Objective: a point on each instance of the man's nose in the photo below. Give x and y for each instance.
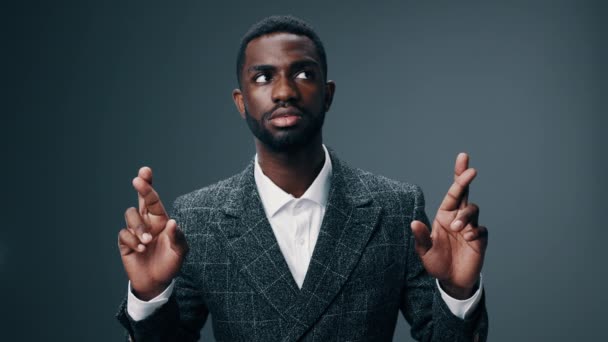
(284, 90)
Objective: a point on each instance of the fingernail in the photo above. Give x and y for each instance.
(146, 237)
(141, 247)
(456, 225)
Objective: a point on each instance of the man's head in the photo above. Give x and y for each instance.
(285, 24)
(283, 94)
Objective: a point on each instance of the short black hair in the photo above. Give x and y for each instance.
(280, 23)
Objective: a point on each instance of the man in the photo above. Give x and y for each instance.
(300, 246)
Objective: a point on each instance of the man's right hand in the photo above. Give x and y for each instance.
(152, 247)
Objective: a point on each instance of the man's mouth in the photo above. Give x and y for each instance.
(285, 117)
(285, 120)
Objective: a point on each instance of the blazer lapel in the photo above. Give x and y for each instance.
(350, 218)
(250, 239)
(349, 221)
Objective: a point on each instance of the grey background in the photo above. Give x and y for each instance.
(96, 89)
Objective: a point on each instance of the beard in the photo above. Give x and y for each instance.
(289, 139)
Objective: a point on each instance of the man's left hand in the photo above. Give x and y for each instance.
(453, 252)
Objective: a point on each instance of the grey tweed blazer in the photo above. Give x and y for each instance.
(363, 270)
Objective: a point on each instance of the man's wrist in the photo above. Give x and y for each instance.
(465, 307)
(139, 309)
(459, 293)
(149, 293)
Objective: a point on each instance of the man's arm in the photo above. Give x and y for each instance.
(422, 305)
(155, 253)
(180, 319)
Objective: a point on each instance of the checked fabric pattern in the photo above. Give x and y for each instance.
(363, 271)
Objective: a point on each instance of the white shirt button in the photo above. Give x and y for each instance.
(301, 241)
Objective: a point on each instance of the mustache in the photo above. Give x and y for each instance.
(291, 108)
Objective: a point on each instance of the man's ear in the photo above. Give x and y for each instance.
(237, 97)
(330, 89)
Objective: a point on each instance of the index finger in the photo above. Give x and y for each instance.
(150, 198)
(144, 173)
(462, 163)
(457, 192)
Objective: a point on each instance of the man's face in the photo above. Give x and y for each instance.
(283, 94)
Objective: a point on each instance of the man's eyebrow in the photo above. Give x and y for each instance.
(304, 63)
(294, 66)
(261, 67)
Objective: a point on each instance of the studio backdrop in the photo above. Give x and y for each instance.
(99, 88)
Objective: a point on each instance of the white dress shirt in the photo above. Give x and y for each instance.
(296, 223)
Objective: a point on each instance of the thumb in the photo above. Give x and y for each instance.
(176, 237)
(422, 236)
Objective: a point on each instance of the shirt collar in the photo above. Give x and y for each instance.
(274, 198)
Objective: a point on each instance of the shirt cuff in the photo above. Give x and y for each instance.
(139, 309)
(462, 308)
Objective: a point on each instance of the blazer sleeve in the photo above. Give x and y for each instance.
(429, 317)
(181, 318)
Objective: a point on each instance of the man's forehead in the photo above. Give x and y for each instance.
(276, 46)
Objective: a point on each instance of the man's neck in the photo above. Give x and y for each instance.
(292, 171)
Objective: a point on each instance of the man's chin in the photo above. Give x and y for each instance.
(287, 140)
(287, 145)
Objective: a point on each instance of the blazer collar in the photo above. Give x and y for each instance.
(274, 198)
(349, 221)
(341, 174)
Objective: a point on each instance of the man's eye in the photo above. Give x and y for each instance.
(304, 75)
(262, 78)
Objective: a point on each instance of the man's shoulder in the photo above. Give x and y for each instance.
(376, 184)
(208, 197)
(394, 196)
